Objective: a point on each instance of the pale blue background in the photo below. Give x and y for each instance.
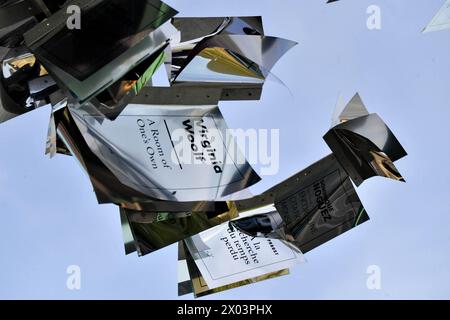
(50, 218)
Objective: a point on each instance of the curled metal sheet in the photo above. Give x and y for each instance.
(8, 108)
(195, 30)
(17, 59)
(366, 147)
(441, 20)
(246, 58)
(218, 65)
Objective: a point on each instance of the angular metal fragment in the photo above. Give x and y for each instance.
(366, 147)
(354, 109)
(441, 20)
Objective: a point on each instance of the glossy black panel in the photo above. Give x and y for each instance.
(108, 29)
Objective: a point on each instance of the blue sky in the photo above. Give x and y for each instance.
(50, 217)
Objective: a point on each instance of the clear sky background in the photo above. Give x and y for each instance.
(50, 218)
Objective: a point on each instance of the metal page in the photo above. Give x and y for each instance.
(366, 147)
(85, 70)
(18, 59)
(260, 52)
(190, 279)
(152, 234)
(441, 20)
(227, 256)
(110, 28)
(194, 30)
(315, 205)
(107, 187)
(168, 152)
(354, 109)
(321, 206)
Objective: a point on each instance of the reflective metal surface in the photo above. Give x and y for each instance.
(354, 109)
(241, 56)
(190, 280)
(441, 20)
(164, 155)
(127, 234)
(195, 31)
(168, 152)
(153, 231)
(227, 256)
(366, 147)
(110, 28)
(100, 53)
(259, 225)
(321, 206)
(316, 205)
(107, 187)
(14, 90)
(12, 36)
(12, 12)
(116, 97)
